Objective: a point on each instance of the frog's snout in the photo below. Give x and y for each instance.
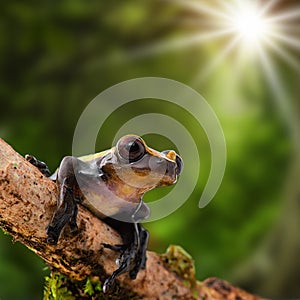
(170, 154)
(179, 164)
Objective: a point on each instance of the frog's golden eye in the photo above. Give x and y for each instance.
(131, 148)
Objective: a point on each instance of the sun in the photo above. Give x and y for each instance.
(249, 23)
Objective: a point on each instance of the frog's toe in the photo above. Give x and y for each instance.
(117, 248)
(39, 164)
(74, 228)
(138, 264)
(108, 283)
(52, 236)
(133, 273)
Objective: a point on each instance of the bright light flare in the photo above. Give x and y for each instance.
(244, 28)
(249, 23)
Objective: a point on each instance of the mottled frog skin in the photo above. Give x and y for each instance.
(111, 185)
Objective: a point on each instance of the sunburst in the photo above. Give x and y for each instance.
(260, 29)
(251, 27)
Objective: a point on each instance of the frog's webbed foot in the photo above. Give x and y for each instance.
(132, 255)
(39, 164)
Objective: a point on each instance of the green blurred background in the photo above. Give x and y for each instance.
(56, 56)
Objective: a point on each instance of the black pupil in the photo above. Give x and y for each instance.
(135, 150)
(133, 147)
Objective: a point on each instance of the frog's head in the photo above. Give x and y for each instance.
(133, 164)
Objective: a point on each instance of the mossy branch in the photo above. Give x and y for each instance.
(27, 201)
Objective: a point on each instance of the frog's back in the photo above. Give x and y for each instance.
(85, 158)
(91, 157)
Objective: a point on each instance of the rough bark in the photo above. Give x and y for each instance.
(27, 201)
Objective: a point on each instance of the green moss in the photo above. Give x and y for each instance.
(180, 262)
(5, 232)
(60, 287)
(89, 287)
(92, 287)
(56, 288)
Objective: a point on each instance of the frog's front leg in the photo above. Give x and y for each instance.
(67, 204)
(66, 211)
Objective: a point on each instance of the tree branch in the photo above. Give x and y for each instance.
(27, 201)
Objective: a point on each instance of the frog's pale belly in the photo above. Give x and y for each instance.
(114, 206)
(103, 202)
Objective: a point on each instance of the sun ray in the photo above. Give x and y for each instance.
(285, 55)
(288, 15)
(286, 28)
(227, 6)
(201, 8)
(210, 67)
(268, 6)
(178, 43)
(280, 96)
(272, 78)
(286, 39)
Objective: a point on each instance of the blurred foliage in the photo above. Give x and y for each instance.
(56, 56)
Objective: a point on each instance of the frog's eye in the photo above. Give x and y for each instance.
(131, 148)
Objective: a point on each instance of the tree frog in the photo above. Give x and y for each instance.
(111, 185)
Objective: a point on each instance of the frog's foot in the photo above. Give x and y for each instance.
(132, 257)
(124, 263)
(61, 218)
(66, 213)
(39, 164)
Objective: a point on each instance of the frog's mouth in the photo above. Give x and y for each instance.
(160, 168)
(171, 169)
(179, 164)
(171, 173)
